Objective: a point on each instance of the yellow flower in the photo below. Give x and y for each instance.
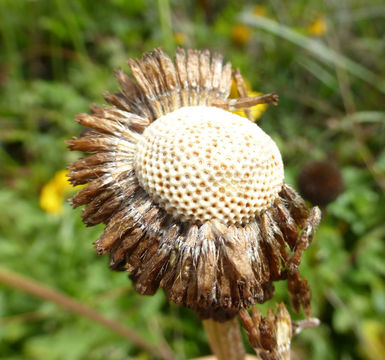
(259, 10)
(318, 27)
(54, 191)
(373, 334)
(180, 38)
(240, 34)
(257, 110)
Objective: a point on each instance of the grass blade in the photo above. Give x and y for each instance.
(315, 47)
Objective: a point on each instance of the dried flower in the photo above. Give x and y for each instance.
(320, 182)
(192, 195)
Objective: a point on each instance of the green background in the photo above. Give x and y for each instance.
(57, 57)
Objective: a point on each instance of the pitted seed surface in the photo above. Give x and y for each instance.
(201, 163)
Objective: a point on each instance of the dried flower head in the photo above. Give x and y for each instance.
(192, 195)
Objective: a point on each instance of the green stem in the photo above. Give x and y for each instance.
(166, 25)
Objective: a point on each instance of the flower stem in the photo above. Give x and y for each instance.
(225, 339)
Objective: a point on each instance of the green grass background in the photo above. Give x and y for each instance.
(56, 57)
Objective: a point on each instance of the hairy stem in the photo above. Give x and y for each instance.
(32, 287)
(225, 339)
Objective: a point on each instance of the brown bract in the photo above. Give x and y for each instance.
(214, 268)
(271, 336)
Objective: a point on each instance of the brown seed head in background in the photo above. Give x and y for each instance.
(320, 182)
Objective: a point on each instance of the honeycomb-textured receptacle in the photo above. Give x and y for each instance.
(201, 163)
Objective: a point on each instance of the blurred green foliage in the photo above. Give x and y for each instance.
(58, 56)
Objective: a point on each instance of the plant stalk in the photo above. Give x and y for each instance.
(225, 339)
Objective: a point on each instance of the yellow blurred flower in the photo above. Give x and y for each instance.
(318, 27)
(259, 10)
(240, 34)
(53, 193)
(180, 38)
(257, 110)
(373, 334)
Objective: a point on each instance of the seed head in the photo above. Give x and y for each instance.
(201, 163)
